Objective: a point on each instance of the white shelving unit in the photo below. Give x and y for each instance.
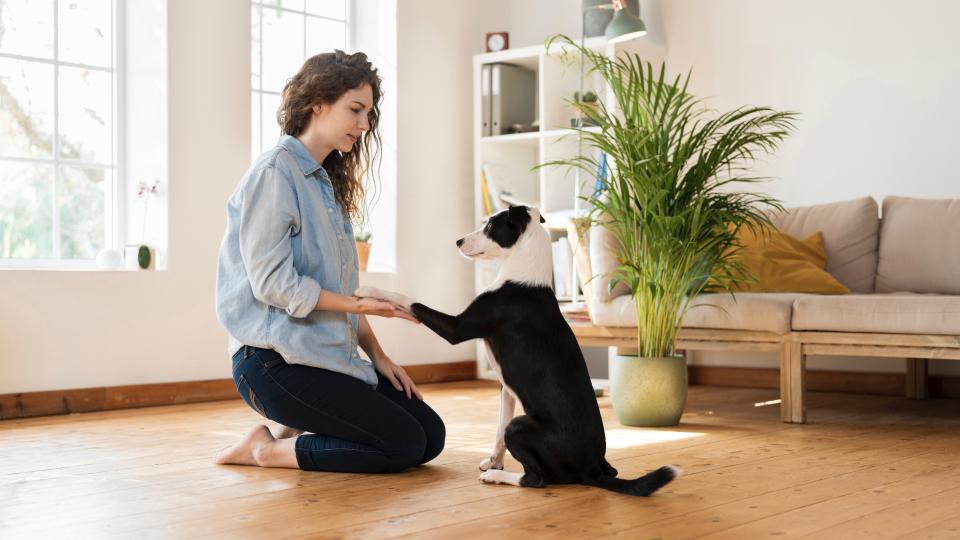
(512, 157)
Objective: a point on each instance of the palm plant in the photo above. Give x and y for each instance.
(670, 198)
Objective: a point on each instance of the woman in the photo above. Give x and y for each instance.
(287, 269)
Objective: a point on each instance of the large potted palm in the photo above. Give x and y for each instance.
(674, 200)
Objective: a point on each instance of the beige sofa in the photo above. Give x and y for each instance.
(903, 272)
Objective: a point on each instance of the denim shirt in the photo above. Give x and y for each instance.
(286, 240)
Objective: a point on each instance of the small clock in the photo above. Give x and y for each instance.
(497, 41)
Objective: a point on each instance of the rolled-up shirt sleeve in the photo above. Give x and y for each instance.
(269, 218)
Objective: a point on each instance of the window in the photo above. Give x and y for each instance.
(284, 34)
(58, 131)
(287, 32)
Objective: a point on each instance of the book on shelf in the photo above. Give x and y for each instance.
(562, 258)
(602, 171)
(485, 194)
(493, 187)
(508, 199)
(497, 198)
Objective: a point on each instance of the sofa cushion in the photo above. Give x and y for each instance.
(782, 263)
(850, 232)
(762, 312)
(902, 313)
(919, 246)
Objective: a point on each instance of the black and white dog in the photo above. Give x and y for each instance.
(560, 438)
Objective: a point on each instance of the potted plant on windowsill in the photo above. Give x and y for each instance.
(363, 249)
(671, 202)
(142, 256)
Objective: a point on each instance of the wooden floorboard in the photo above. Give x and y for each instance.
(865, 466)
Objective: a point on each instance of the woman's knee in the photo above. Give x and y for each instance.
(406, 451)
(436, 435)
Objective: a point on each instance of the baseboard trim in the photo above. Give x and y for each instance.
(31, 404)
(846, 382)
(107, 398)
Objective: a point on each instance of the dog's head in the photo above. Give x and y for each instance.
(501, 233)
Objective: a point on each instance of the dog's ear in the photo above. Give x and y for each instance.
(518, 216)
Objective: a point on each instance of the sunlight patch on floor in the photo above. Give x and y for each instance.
(627, 438)
(767, 403)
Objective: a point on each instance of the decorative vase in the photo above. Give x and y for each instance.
(648, 392)
(109, 259)
(139, 257)
(363, 253)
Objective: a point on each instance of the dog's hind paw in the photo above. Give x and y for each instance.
(491, 464)
(496, 476)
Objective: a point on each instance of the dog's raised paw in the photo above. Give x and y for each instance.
(369, 292)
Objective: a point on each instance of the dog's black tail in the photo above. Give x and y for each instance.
(644, 486)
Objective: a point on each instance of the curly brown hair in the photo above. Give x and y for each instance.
(322, 79)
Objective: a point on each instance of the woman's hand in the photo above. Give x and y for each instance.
(397, 376)
(372, 306)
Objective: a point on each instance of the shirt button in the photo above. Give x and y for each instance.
(330, 209)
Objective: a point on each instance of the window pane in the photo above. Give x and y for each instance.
(325, 36)
(271, 130)
(287, 4)
(26, 217)
(81, 201)
(255, 124)
(282, 47)
(336, 9)
(26, 108)
(86, 121)
(85, 27)
(255, 47)
(26, 27)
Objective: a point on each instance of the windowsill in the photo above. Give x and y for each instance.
(68, 269)
(377, 272)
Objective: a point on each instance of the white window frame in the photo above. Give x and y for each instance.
(258, 93)
(114, 189)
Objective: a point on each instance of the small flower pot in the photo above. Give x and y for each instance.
(140, 257)
(363, 254)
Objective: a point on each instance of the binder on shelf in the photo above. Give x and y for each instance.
(513, 96)
(485, 100)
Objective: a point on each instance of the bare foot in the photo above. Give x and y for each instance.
(248, 450)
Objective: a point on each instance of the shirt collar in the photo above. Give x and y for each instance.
(296, 148)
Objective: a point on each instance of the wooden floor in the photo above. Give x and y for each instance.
(864, 466)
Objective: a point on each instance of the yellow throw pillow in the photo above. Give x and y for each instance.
(782, 263)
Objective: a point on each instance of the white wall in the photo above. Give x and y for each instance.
(876, 83)
(874, 80)
(84, 329)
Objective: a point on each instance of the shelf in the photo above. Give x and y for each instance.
(530, 56)
(528, 138)
(531, 137)
(567, 132)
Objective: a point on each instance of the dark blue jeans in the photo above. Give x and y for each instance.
(348, 426)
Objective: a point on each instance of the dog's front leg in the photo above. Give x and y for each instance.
(508, 403)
